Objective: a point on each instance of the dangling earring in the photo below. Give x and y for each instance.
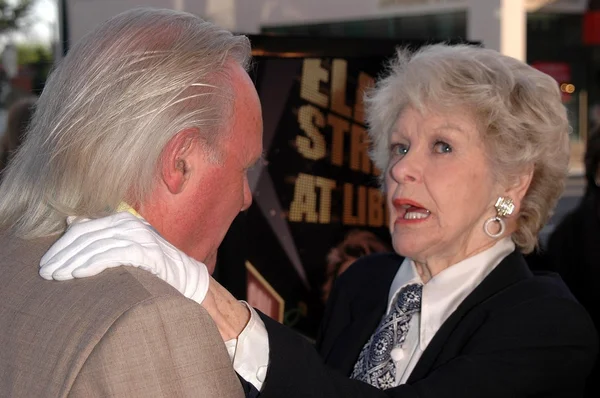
(504, 207)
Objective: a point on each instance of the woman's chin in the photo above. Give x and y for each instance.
(407, 249)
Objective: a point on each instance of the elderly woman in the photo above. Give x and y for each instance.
(474, 148)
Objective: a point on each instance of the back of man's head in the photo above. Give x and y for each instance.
(109, 109)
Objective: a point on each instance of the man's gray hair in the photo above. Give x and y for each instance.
(109, 109)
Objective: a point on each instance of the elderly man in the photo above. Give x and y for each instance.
(152, 112)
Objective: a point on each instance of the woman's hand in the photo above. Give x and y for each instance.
(229, 314)
(90, 246)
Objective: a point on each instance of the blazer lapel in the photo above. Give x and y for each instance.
(368, 313)
(358, 320)
(510, 270)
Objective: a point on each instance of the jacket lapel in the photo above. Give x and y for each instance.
(510, 270)
(356, 322)
(367, 315)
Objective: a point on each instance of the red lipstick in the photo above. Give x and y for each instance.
(409, 211)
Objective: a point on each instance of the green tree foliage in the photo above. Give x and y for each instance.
(38, 58)
(12, 13)
(33, 53)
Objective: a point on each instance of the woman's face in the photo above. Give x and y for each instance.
(440, 189)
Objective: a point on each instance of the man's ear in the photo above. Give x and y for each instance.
(175, 159)
(520, 186)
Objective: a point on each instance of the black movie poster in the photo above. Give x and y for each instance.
(316, 182)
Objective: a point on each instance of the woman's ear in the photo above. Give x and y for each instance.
(175, 160)
(519, 188)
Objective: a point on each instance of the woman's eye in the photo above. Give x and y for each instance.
(442, 147)
(399, 149)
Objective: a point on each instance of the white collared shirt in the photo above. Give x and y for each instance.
(249, 353)
(441, 296)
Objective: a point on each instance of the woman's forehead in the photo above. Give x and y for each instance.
(460, 120)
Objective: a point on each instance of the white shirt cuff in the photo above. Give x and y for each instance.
(250, 351)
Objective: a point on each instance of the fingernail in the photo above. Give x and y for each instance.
(58, 276)
(46, 276)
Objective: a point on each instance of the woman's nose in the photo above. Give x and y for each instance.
(406, 169)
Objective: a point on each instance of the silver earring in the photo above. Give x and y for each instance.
(504, 208)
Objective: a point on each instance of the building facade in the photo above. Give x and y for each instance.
(548, 34)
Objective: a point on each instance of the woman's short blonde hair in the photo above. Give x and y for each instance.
(519, 108)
